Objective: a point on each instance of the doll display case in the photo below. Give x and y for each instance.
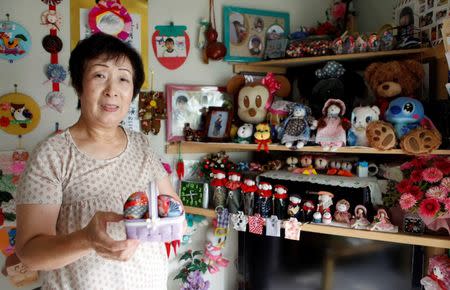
(155, 228)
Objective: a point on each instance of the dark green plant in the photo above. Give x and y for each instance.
(192, 262)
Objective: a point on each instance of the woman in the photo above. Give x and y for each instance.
(70, 200)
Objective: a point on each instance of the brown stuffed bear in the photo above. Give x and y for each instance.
(392, 79)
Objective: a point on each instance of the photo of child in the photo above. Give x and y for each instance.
(171, 46)
(181, 114)
(238, 30)
(258, 24)
(255, 45)
(218, 124)
(275, 32)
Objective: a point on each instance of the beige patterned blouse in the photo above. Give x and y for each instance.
(59, 173)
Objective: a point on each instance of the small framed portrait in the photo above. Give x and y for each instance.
(189, 104)
(171, 46)
(246, 31)
(218, 123)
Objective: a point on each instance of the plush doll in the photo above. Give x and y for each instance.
(392, 79)
(307, 168)
(262, 137)
(341, 214)
(254, 99)
(334, 167)
(248, 189)
(346, 169)
(264, 199)
(438, 277)
(244, 134)
(331, 128)
(280, 198)
(361, 117)
(307, 211)
(321, 164)
(233, 185)
(416, 132)
(297, 127)
(294, 207)
(292, 163)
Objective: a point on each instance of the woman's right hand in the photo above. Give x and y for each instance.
(102, 243)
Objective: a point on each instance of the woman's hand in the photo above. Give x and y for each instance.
(102, 243)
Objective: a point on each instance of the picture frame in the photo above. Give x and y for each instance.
(247, 30)
(189, 104)
(218, 124)
(192, 193)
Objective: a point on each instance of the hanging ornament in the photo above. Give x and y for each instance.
(52, 43)
(213, 50)
(15, 41)
(292, 229)
(55, 101)
(19, 113)
(51, 19)
(171, 45)
(110, 17)
(51, 2)
(180, 164)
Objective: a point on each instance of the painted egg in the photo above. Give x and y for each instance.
(136, 206)
(168, 206)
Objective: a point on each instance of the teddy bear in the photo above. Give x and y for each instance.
(392, 79)
(297, 127)
(415, 131)
(244, 134)
(255, 98)
(361, 117)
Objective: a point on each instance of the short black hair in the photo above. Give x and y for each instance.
(111, 47)
(169, 39)
(181, 99)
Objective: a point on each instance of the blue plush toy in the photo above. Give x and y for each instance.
(406, 114)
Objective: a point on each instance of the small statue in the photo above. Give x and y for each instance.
(307, 211)
(294, 207)
(264, 199)
(317, 216)
(248, 189)
(297, 126)
(220, 191)
(188, 132)
(382, 223)
(325, 201)
(280, 201)
(359, 221)
(341, 214)
(234, 197)
(326, 218)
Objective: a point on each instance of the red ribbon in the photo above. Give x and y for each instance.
(264, 144)
(233, 185)
(272, 85)
(218, 182)
(248, 188)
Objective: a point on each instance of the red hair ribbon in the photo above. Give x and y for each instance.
(272, 85)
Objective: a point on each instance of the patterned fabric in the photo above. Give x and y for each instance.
(273, 226)
(296, 129)
(223, 217)
(292, 229)
(256, 224)
(240, 221)
(58, 173)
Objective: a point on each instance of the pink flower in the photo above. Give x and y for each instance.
(439, 192)
(407, 201)
(416, 192)
(403, 186)
(429, 207)
(416, 176)
(432, 175)
(406, 165)
(447, 204)
(443, 165)
(445, 182)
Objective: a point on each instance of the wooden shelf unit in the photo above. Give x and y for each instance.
(401, 238)
(280, 65)
(212, 147)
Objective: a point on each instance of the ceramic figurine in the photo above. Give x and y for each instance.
(264, 199)
(382, 223)
(292, 163)
(294, 207)
(297, 127)
(331, 129)
(438, 277)
(317, 216)
(326, 218)
(245, 134)
(359, 221)
(234, 196)
(373, 43)
(360, 44)
(325, 201)
(220, 191)
(280, 201)
(307, 211)
(248, 189)
(341, 214)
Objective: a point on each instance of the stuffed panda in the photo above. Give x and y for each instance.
(361, 117)
(244, 134)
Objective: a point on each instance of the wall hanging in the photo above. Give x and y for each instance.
(171, 45)
(15, 41)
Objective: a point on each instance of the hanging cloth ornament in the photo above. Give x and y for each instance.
(273, 226)
(292, 229)
(56, 73)
(15, 41)
(110, 17)
(171, 45)
(256, 224)
(239, 221)
(51, 19)
(180, 164)
(55, 101)
(51, 2)
(213, 50)
(19, 113)
(52, 43)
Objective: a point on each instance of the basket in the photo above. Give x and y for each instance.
(155, 228)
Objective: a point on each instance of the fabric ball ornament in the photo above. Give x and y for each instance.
(51, 2)
(55, 101)
(56, 73)
(51, 19)
(332, 69)
(52, 43)
(136, 206)
(168, 206)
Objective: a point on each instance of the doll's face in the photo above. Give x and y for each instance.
(306, 161)
(341, 207)
(252, 104)
(299, 112)
(295, 199)
(249, 182)
(333, 110)
(321, 163)
(438, 273)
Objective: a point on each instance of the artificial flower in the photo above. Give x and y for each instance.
(403, 186)
(416, 176)
(416, 192)
(407, 201)
(429, 207)
(445, 182)
(438, 192)
(4, 122)
(447, 204)
(432, 175)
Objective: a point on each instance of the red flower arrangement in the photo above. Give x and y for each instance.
(219, 161)
(425, 190)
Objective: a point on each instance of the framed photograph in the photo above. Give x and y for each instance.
(218, 123)
(191, 193)
(189, 104)
(247, 30)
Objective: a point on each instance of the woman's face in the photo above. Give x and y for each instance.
(107, 91)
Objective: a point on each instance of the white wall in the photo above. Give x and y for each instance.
(28, 73)
(372, 14)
